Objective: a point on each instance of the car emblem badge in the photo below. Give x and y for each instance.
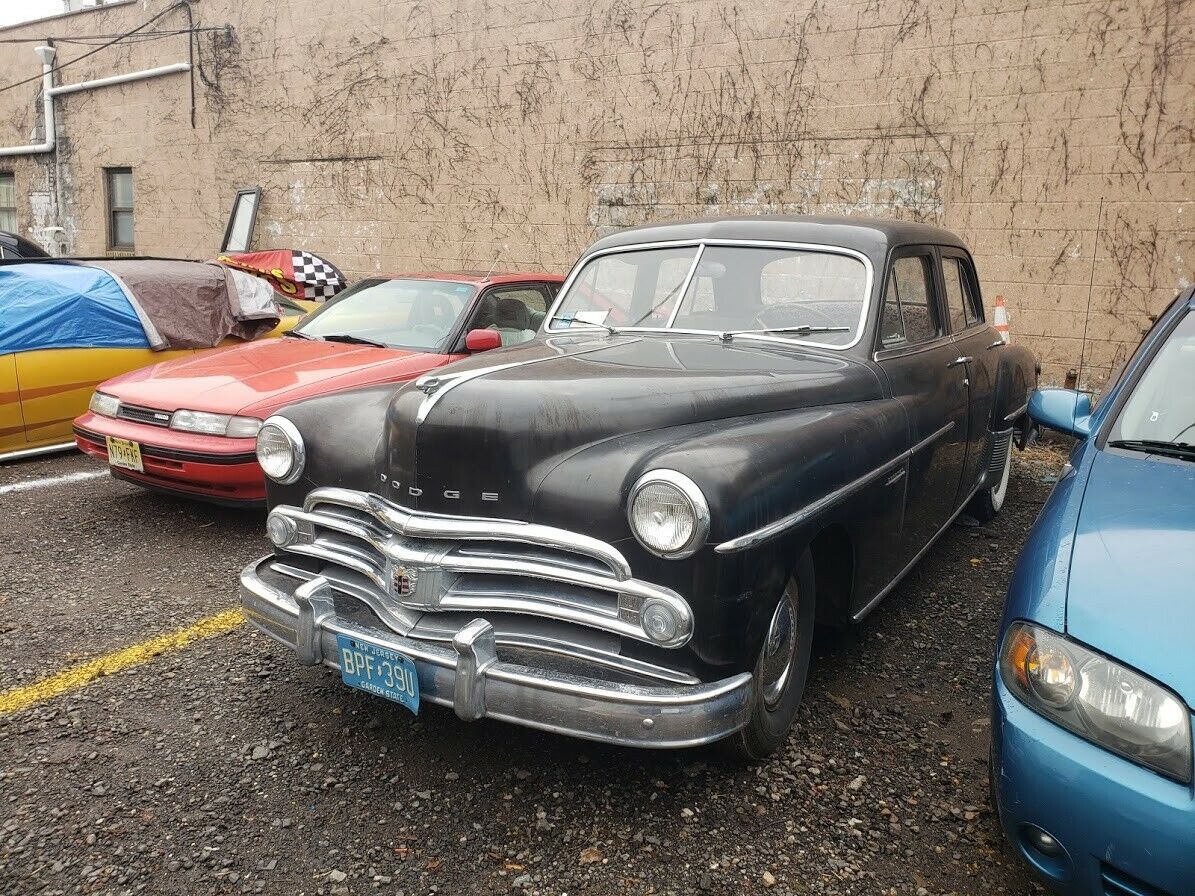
(405, 581)
(428, 384)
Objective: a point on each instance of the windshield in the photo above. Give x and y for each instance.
(1161, 407)
(725, 288)
(417, 314)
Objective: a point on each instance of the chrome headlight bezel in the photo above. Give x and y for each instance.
(1075, 705)
(103, 404)
(294, 443)
(691, 497)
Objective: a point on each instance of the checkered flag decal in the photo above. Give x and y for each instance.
(318, 278)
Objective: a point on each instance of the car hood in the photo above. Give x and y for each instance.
(1130, 593)
(501, 432)
(259, 377)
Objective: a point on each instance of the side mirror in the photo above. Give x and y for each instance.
(483, 340)
(1064, 410)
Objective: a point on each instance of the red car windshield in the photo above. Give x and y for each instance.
(413, 314)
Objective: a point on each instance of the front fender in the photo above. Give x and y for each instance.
(342, 435)
(753, 470)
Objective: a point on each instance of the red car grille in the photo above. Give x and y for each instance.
(148, 416)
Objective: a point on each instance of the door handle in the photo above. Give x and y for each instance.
(963, 359)
(999, 343)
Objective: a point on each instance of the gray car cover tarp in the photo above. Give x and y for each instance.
(191, 304)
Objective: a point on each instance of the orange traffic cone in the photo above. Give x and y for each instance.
(1001, 321)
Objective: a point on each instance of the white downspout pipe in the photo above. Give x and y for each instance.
(47, 96)
(49, 91)
(122, 79)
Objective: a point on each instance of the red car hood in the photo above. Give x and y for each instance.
(258, 378)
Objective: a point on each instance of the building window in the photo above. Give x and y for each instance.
(8, 202)
(120, 207)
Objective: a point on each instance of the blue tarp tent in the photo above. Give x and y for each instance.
(64, 306)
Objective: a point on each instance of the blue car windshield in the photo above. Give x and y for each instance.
(1161, 407)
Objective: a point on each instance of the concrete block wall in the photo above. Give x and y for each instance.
(1057, 138)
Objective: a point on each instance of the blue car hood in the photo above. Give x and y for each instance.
(1132, 584)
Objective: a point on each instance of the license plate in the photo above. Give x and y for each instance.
(378, 671)
(124, 453)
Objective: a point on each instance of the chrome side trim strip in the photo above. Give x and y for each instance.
(35, 452)
(887, 589)
(751, 539)
(1018, 412)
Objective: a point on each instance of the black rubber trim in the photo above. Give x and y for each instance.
(174, 454)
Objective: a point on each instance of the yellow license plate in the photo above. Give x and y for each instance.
(124, 453)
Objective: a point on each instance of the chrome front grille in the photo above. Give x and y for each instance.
(403, 564)
(149, 416)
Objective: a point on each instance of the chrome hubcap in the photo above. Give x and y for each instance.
(778, 650)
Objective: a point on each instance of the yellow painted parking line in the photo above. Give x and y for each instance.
(83, 674)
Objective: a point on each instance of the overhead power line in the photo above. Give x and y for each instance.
(104, 46)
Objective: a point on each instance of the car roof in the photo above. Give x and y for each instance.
(27, 248)
(871, 236)
(478, 277)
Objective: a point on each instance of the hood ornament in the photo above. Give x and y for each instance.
(429, 384)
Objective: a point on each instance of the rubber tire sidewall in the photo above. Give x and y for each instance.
(767, 730)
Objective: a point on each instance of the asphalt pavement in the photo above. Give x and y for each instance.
(150, 743)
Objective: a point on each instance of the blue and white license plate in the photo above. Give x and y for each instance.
(378, 671)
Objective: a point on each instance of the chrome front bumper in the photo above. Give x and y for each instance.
(470, 678)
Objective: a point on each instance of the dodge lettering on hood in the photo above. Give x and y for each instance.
(625, 528)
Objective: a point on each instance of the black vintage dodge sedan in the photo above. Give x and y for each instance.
(625, 529)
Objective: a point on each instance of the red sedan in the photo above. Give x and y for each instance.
(188, 426)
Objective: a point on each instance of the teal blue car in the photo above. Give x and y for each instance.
(1094, 683)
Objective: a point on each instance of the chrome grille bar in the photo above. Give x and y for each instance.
(460, 528)
(430, 563)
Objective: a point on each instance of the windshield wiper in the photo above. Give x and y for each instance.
(727, 335)
(353, 340)
(1184, 450)
(295, 334)
(581, 323)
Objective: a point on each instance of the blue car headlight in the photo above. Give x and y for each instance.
(1098, 699)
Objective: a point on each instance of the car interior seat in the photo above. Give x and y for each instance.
(513, 321)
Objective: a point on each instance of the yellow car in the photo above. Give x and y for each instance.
(63, 330)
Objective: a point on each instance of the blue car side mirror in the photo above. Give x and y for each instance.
(1064, 410)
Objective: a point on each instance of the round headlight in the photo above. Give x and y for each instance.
(660, 622)
(280, 450)
(668, 514)
(281, 529)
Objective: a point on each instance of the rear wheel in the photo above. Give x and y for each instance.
(781, 669)
(990, 501)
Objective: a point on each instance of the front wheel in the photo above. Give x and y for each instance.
(781, 669)
(990, 501)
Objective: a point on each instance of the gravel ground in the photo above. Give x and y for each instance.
(227, 768)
